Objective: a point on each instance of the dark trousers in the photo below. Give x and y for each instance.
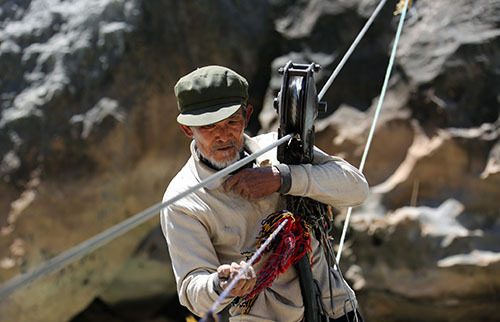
(349, 317)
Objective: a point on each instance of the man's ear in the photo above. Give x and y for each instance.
(187, 130)
(249, 113)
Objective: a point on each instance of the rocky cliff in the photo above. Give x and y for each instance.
(88, 138)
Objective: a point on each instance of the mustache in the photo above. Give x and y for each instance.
(224, 146)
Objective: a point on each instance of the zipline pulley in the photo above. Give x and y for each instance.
(297, 106)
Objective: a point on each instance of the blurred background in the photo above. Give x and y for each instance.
(88, 138)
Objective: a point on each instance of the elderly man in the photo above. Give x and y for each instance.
(209, 231)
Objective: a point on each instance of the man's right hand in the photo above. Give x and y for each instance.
(245, 284)
(254, 183)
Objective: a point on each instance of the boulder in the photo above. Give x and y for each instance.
(424, 264)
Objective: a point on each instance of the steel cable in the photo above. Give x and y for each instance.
(375, 118)
(106, 236)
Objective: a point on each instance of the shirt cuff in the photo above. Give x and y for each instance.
(216, 285)
(286, 178)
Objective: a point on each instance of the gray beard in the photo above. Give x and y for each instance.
(219, 165)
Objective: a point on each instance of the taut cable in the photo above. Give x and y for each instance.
(375, 118)
(350, 50)
(108, 235)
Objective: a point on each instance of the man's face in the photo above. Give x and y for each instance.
(221, 143)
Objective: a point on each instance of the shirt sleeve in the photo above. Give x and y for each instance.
(194, 260)
(330, 180)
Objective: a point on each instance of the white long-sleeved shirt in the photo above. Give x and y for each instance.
(211, 227)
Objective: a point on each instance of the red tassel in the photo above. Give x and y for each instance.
(291, 243)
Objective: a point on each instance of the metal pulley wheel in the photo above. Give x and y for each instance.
(297, 106)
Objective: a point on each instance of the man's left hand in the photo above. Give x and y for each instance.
(254, 183)
(226, 273)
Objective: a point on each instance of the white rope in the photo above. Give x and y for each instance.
(350, 50)
(375, 118)
(106, 236)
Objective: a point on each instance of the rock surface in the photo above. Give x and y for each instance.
(88, 138)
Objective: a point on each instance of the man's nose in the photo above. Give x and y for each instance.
(222, 133)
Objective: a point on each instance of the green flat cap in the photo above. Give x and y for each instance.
(209, 94)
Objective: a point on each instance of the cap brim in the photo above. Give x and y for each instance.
(209, 115)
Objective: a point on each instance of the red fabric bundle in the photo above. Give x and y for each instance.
(291, 243)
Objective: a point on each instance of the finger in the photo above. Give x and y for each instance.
(237, 179)
(237, 289)
(230, 182)
(243, 266)
(238, 188)
(240, 285)
(224, 271)
(247, 287)
(251, 283)
(235, 269)
(249, 271)
(235, 266)
(252, 273)
(244, 194)
(251, 279)
(227, 184)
